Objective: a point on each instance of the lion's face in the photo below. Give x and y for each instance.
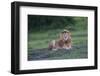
(65, 36)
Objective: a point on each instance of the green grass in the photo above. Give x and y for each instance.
(40, 40)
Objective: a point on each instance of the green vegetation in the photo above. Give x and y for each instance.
(43, 29)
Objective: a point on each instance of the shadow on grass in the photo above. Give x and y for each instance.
(77, 52)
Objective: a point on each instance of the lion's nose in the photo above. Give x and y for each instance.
(65, 36)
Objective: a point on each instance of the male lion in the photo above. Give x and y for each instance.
(63, 42)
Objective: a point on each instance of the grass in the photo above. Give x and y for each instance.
(40, 40)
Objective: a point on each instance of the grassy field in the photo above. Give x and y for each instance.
(38, 44)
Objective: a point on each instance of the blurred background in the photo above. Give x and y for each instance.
(43, 29)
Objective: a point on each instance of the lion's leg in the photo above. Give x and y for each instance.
(68, 46)
(52, 45)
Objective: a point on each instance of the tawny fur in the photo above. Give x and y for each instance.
(61, 43)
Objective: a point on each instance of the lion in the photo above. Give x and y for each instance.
(63, 42)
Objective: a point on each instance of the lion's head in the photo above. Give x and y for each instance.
(65, 35)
